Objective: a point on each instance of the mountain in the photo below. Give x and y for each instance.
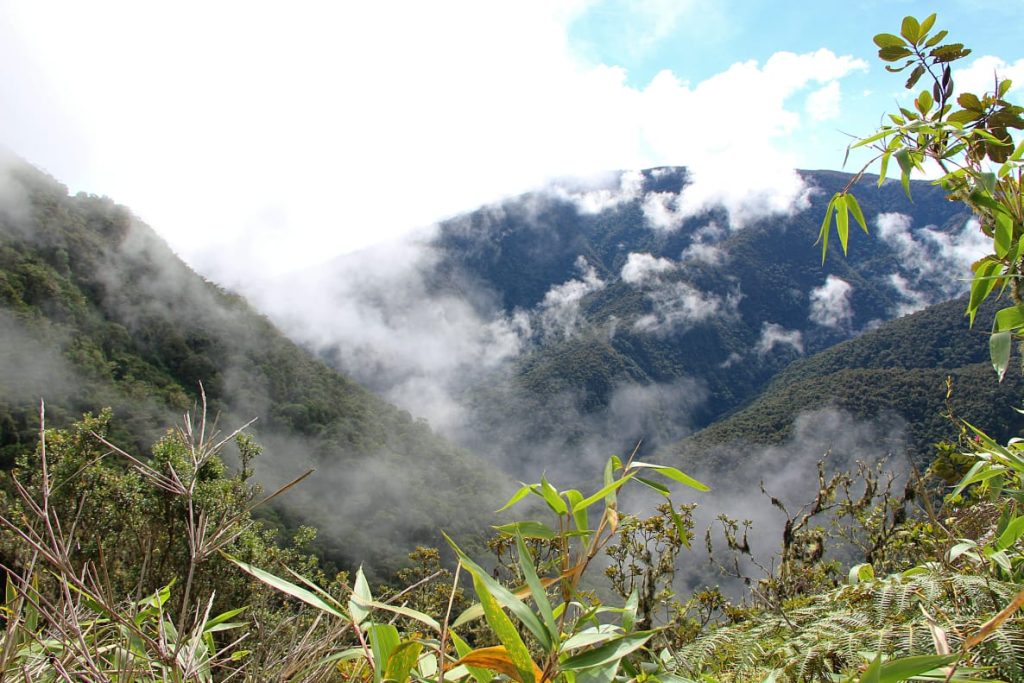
(578, 319)
(95, 311)
(897, 372)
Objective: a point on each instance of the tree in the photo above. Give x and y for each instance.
(970, 138)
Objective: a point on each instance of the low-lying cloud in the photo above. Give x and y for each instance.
(930, 259)
(774, 335)
(831, 305)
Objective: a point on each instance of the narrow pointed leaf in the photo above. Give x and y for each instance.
(999, 350)
(605, 491)
(673, 474)
(905, 668)
(612, 651)
(494, 591)
(287, 587)
(537, 590)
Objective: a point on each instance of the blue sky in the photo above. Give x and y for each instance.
(262, 137)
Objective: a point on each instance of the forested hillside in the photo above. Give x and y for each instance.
(897, 371)
(584, 317)
(96, 311)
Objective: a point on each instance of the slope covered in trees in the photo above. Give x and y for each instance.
(898, 370)
(96, 311)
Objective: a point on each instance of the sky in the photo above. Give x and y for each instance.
(260, 138)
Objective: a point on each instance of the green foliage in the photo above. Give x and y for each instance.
(924, 611)
(96, 311)
(971, 140)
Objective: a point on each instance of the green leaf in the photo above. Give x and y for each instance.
(673, 474)
(1003, 234)
(660, 488)
(924, 102)
(854, 206)
(612, 651)
(504, 629)
(906, 166)
(979, 472)
(914, 77)
(462, 649)
(861, 572)
(970, 101)
(407, 612)
(580, 516)
(926, 25)
(1014, 530)
(1009, 319)
(893, 53)
(981, 286)
(503, 595)
(384, 640)
(680, 527)
(906, 668)
(884, 167)
(936, 39)
(402, 660)
(601, 633)
(629, 610)
(873, 673)
(523, 492)
(552, 497)
(606, 491)
(842, 222)
(287, 587)
(540, 596)
(826, 225)
(911, 30)
(888, 40)
(360, 590)
(527, 529)
(999, 350)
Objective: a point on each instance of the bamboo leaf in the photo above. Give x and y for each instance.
(609, 652)
(494, 591)
(499, 660)
(528, 529)
(999, 351)
(479, 674)
(601, 493)
(673, 474)
(905, 668)
(515, 649)
(360, 594)
(402, 660)
(523, 492)
(537, 590)
(287, 587)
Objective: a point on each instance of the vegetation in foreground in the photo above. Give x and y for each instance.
(129, 569)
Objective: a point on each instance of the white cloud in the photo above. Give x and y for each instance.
(934, 265)
(980, 76)
(679, 305)
(830, 303)
(560, 309)
(823, 104)
(642, 267)
(593, 198)
(247, 132)
(773, 334)
(703, 249)
(661, 209)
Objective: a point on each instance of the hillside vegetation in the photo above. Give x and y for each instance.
(98, 312)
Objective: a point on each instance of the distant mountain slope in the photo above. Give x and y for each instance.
(96, 311)
(896, 371)
(585, 317)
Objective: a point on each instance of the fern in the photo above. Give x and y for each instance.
(815, 642)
